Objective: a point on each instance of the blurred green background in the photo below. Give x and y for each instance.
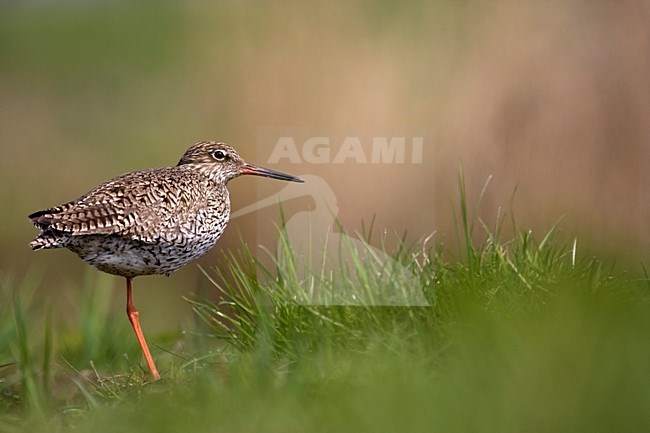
(550, 98)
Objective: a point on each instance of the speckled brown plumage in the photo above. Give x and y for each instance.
(151, 221)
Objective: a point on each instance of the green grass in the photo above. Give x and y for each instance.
(521, 334)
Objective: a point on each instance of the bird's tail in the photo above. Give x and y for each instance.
(47, 239)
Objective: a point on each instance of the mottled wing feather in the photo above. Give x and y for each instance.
(79, 219)
(136, 204)
(111, 208)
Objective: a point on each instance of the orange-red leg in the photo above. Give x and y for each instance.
(135, 322)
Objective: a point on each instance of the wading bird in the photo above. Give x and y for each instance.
(151, 221)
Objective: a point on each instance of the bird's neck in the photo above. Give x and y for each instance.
(215, 178)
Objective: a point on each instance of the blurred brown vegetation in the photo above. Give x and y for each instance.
(551, 98)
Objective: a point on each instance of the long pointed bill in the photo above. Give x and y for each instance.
(256, 170)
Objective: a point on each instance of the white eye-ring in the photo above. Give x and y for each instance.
(219, 155)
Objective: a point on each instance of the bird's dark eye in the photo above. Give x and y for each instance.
(219, 155)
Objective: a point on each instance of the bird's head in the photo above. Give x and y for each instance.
(221, 162)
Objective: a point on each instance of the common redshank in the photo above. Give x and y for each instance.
(151, 221)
